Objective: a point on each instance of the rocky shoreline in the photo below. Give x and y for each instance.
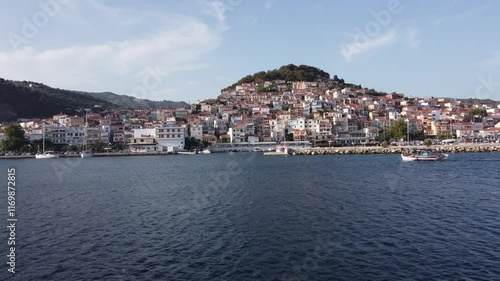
(462, 148)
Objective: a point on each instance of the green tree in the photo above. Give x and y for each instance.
(289, 137)
(444, 136)
(397, 130)
(98, 147)
(191, 143)
(417, 136)
(427, 142)
(14, 138)
(477, 114)
(38, 144)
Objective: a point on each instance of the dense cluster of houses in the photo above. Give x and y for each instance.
(273, 111)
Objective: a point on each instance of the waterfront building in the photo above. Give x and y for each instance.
(74, 135)
(196, 131)
(168, 137)
(93, 135)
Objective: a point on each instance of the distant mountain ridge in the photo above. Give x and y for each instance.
(26, 99)
(134, 103)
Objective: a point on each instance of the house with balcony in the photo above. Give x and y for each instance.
(464, 130)
(143, 143)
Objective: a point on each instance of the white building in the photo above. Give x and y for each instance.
(298, 123)
(196, 131)
(55, 133)
(436, 115)
(166, 138)
(236, 134)
(74, 135)
(106, 133)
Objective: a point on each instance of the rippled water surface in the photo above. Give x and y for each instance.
(243, 216)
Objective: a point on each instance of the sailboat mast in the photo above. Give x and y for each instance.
(43, 137)
(85, 134)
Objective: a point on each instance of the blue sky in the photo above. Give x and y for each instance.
(189, 50)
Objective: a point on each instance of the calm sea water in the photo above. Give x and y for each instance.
(243, 216)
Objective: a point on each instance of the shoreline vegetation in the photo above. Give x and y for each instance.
(454, 148)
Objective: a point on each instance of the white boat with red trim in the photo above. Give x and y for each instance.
(425, 156)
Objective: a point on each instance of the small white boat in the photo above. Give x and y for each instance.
(46, 155)
(281, 150)
(87, 154)
(425, 156)
(205, 151)
(186, 152)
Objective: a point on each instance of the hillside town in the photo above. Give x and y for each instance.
(273, 111)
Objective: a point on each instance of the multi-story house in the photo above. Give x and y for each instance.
(196, 131)
(105, 133)
(441, 127)
(168, 137)
(75, 135)
(237, 133)
(92, 135)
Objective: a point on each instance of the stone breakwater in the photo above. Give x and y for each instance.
(397, 149)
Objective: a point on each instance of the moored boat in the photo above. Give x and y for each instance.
(205, 151)
(186, 152)
(425, 156)
(281, 150)
(46, 155)
(87, 154)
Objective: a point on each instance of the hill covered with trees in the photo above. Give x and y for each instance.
(288, 72)
(24, 99)
(302, 72)
(134, 103)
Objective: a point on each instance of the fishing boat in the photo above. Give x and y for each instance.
(424, 156)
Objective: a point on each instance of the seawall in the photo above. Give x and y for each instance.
(460, 148)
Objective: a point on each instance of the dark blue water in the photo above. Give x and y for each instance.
(243, 216)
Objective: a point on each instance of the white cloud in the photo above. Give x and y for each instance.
(269, 4)
(460, 16)
(119, 62)
(363, 44)
(218, 10)
(94, 67)
(412, 37)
